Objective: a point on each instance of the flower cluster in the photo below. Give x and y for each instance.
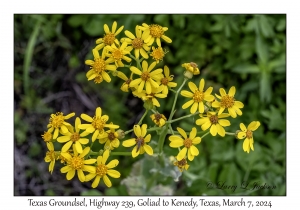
(74, 146)
(135, 58)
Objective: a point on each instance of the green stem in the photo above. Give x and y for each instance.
(231, 134)
(204, 135)
(175, 99)
(144, 115)
(180, 118)
(162, 137)
(29, 54)
(129, 131)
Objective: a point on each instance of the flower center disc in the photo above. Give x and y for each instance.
(75, 137)
(249, 134)
(198, 96)
(109, 39)
(76, 162)
(98, 123)
(101, 170)
(137, 43)
(156, 30)
(99, 65)
(188, 143)
(227, 101)
(145, 76)
(213, 119)
(117, 54)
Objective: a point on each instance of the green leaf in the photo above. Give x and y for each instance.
(265, 87)
(261, 49)
(77, 20)
(246, 68)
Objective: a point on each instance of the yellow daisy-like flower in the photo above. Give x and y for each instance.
(99, 66)
(137, 43)
(214, 122)
(247, 133)
(110, 138)
(139, 142)
(97, 123)
(156, 32)
(110, 36)
(227, 101)
(188, 143)
(166, 81)
(47, 136)
(77, 163)
(50, 156)
(152, 97)
(191, 67)
(73, 138)
(158, 119)
(147, 77)
(182, 164)
(157, 54)
(58, 124)
(102, 170)
(198, 96)
(118, 54)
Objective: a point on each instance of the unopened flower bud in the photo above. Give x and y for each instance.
(148, 104)
(236, 133)
(121, 134)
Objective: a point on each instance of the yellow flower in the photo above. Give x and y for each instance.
(152, 97)
(72, 137)
(77, 163)
(213, 121)
(198, 96)
(110, 138)
(248, 133)
(110, 36)
(147, 77)
(137, 43)
(102, 170)
(47, 136)
(117, 54)
(158, 119)
(157, 54)
(191, 67)
(97, 123)
(166, 81)
(155, 32)
(188, 143)
(227, 101)
(99, 67)
(57, 123)
(182, 164)
(139, 142)
(50, 156)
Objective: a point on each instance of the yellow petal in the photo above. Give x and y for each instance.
(213, 130)
(181, 154)
(89, 177)
(175, 138)
(241, 135)
(148, 149)
(193, 133)
(129, 142)
(96, 182)
(143, 130)
(243, 127)
(220, 130)
(114, 173)
(134, 152)
(70, 174)
(194, 150)
(246, 145)
(223, 122)
(107, 181)
(137, 130)
(201, 85)
(194, 108)
(192, 87)
(67, 146)
(186, 93)
(86, 118)
(231, 91)
(176, 143)
(112, 163)
(182, 133)
(206, 125)
(222, 92)
(80, 175)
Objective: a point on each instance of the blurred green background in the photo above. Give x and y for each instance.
(245, 51)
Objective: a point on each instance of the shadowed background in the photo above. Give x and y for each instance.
(245, 51)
